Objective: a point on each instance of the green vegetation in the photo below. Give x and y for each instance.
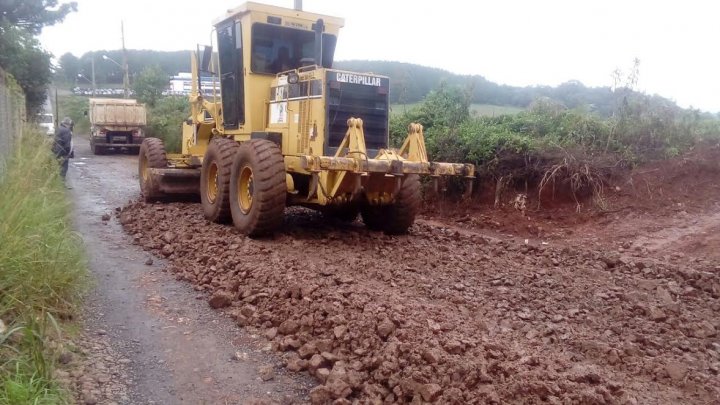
(150, 84)
(551, 144)
(42, 272)
(165, 121)
(74, 107)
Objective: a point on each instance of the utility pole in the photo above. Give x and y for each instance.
(126, 76)
(92, 65)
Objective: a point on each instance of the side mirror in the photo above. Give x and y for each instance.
(206, 58)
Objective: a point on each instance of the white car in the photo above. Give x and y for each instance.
(47, 123)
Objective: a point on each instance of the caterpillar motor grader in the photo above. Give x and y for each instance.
(287, 129)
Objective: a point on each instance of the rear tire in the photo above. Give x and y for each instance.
(398, 217)
(215, 179)
(152, 155)
(257, 188)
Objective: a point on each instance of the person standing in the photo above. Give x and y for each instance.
(62, 147)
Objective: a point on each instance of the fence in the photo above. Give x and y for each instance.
(12, 116)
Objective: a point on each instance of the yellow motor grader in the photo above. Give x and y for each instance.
(281, 127)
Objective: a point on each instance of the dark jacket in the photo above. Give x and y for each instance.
(63, 139)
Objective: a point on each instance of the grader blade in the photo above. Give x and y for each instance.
(170, 182)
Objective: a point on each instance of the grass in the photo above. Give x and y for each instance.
(42, 272)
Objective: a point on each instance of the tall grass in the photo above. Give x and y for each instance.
(42, 270)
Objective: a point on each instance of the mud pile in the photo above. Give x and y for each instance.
(439, 316)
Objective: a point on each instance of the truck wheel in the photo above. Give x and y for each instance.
(215, 179)
(152, 155)
(396, 218)
(257, 188)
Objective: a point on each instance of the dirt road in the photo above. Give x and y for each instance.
(461, 310)
(150, 339)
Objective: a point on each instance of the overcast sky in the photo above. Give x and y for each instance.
(515, 42)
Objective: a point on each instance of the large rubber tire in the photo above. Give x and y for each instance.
(215, 179)
(152, 155)
(398, 217)
(257, 188)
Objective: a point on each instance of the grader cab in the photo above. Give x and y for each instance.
(285, 128)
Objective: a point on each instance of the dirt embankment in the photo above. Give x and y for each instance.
(452, 317)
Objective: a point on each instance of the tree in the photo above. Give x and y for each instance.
(33, 15)
(20, 52)
(22, 57)
(69, 67)
(150, 84)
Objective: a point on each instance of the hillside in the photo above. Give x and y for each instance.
(409, 83)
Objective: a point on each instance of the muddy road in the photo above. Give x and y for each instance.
(148, 338)
(458, 311)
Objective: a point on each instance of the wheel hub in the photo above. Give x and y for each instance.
(245, 189)
(212, 188)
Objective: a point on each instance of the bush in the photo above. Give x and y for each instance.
(549, 142)
(165, 121)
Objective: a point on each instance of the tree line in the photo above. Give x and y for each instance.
(409, 83)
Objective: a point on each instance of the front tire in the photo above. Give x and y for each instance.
(398, 217)
(152, 155)
(257, 188)
(215, 179)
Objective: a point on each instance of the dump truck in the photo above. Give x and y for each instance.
(116, 124)
(284, 128)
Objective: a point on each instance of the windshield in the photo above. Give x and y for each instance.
(45, 118)
(276, 49)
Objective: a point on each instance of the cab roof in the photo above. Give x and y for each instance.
(251, 6)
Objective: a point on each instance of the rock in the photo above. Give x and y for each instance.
(167, 250)
(149, 261)
(295, 363)
(168, 237)
(339, 331)
(316, 361)
(105, 217)
(125, 218)
(220, 299)
(430, 392)
(431, 356)
(307, 350)
(454, 347)
(657, 314)
(65, 358)
(320, 395)
(676, 371)
(271, 333)
(322, 374)
(703, 329)
(289, 327)
(266, 373)
(248, 310)
(290, 343)
(385, 328)
(611, 260)
(664, 296)
(338, 387)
